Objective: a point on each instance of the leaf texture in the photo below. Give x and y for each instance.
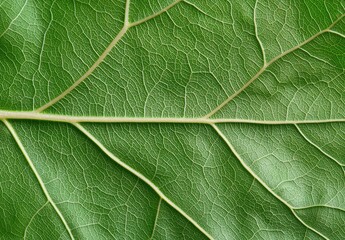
(175, 119)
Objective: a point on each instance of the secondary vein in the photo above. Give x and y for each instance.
(156, 218)
(256, 177)
(142, 177)
(38, 177)
(266, 65)
(118, 37)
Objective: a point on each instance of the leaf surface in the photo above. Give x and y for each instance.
(172, 119)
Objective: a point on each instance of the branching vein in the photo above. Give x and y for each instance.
(142, 177)
(14, 19)
(40, 181)
(156, 218)
(118, 37)
(87, 73)
(320, 149)
(257, 33)
(265, 66)
(33, 217)
(225, 139)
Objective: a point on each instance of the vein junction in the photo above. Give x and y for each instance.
(118, 37)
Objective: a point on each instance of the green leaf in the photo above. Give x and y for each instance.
(185, 119)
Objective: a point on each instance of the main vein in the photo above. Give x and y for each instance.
(105, 119)
(38, 177)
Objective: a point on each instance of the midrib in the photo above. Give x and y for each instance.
(109, 119)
